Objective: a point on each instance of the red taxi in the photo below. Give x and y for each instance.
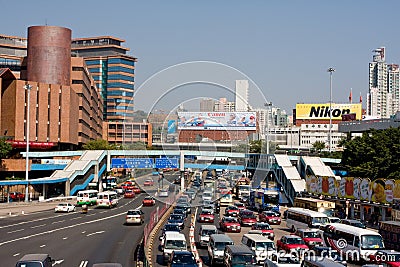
(136, 190)
(148, 182)
(149, 201)
(265, 228)
(231, 211)
(129, 194)
(291, 243)
(311, 237)
(239, 205)
(269, 217)
(229, 224)
(247, 218)
(206, 216)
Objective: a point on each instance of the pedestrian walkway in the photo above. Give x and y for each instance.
(25, 208)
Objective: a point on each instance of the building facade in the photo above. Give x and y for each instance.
(241, 95)
(384, 89)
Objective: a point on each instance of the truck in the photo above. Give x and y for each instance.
(264, 199)
(242, 188)
(390, 232)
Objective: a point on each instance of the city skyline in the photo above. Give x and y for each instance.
(284, 49)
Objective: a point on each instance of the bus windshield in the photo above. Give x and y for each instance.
(371, 242)
(320, 220)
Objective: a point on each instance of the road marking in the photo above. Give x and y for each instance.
(25, 222)
(76, 218)
(42, 246)
(16, 254)
(33, 227)
(57, 262)
(83, 264)
(104, 211)
(58, 222)
(95, 233)
(64, 238)
(19, 230)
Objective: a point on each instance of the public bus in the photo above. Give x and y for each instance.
(320, 205)
(226, 198)
(107, 199)
(86, 197)
(109, 182)
(355, 243)
(299, 218)
(390, 231)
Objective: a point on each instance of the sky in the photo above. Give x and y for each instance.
(188, 50)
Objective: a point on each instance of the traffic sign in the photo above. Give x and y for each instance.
(130, 163)
(163, 163)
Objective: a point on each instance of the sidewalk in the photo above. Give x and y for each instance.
(24, 208)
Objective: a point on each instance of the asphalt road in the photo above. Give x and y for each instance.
(76, 239)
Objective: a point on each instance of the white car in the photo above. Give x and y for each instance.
(163, 193)
(64, 207)
(282, 260)
(134, 217)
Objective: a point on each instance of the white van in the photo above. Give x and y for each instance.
(204, 234)
(261, 245)
(173, 241)
(216, 247)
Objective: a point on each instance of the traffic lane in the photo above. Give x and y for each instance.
(101, 239)
(51, 221)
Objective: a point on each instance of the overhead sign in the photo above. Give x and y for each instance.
(322, 111)
(217, 120)
(130, 163)
(163, 163)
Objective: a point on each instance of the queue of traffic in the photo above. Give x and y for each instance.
(312, 239)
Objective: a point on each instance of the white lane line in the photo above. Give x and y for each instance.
(42, 246)
(95, 233)
(16, 254)
(104, 211)
(64, 238)
(25, 222)
(19, 230)
(58, 222)
(83, 264)
(33, 227)
(76, 218)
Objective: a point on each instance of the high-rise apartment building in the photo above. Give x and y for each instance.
(241, 95)
(384, 89)
(207, 104)
(223, 105)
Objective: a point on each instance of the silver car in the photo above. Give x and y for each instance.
(134, 217)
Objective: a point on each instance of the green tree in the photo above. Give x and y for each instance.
(140, 145)
(318, 146)
(255, 146)
(241, 148)
(5, 148)
(375, 154)
(100, 144)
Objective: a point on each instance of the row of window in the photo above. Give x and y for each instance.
(121, 77)
(120, 93)
(120, 85)
(299, 217)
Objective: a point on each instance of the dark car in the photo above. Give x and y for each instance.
(180, 210)
(35, 260)
(182, 258)
(355, 223)
(327, 252)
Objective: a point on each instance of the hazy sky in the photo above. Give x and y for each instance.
(284, 47)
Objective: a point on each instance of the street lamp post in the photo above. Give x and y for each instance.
(28, 88)
(330, 70)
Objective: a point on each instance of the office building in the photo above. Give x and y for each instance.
(384, 90)
(224, 105)
(241, 95)
(207, 104)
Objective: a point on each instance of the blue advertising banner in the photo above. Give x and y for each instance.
(130, 163)
(163, 163)
(171, 126)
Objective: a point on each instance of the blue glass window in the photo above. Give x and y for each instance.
(121, 77)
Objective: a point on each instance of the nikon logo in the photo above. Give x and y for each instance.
(323, 112)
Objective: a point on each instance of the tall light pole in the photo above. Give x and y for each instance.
(268, 105)
(28, 88)
(330, 70)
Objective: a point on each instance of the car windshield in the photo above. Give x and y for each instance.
(175, 217)
(242, 259)
(265, 245)
(371, 242)
(295, 240)
(171, 227)
(221, 245)
(206, 212)
(208, 232)
(270, 214)
(183, 259)
(262, 226)
(175, 244)
(288, 260)
(231, 220)
(311, 234)
(249, 216)
(320, 220)
(133, 212)
(358, 224)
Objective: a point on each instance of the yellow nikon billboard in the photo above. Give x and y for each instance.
(321, 111)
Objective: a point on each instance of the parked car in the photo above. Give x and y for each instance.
(311, 237)
(355, 223)
(229, 224)
(15, 196)
(270, 217)
(149, 201)
(134, 217)
(64, 207)
(290, 243)
(265, 228)
(129, 194)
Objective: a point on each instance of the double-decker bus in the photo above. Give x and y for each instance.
(86, 197)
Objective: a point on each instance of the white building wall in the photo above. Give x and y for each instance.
(241, 95)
